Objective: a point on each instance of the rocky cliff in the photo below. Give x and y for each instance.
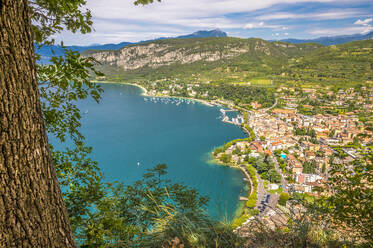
(186, 51)
(154, 55)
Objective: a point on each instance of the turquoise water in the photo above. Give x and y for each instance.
(127, 128)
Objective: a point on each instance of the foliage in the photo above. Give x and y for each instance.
(247, 213)
(302, 230)
(226, 158)
(62, 83)
(195, 231)
(144, 2)
(266, 168)
(273, 176)
(284, 197)
(279, 63)
(51, 17)
(309, 167)
(305, 131)
(152, 212)
(348, 199)
(251, 202)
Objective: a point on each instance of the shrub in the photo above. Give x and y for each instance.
(284, 197)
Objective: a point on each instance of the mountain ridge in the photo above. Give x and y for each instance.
(332, 40)
(235, 60)
(47, 52)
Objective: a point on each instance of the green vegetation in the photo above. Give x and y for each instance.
(232, 142)
(153, 211)
(309, 167)
(261, 64)
(251, 202)
(265, 167)
(253, 196)
(350, 200)
(284, 197)
(343, 65)
(275, 191)
(248, 213)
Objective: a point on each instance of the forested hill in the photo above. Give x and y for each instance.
(349, 63)
(236, 60)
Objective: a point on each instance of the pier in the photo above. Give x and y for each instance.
(223, 111)
(235, 121)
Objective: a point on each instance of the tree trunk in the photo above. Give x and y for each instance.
(32, 211)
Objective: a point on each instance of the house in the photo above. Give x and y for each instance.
(294, 164)
(235, 159)
(269, 153)
(323, 135)
(302, 188)
(256, 105)
(310, 155)
(278, 145)
(255, 145)
(300, 178)
(298, 168)
(254, 155)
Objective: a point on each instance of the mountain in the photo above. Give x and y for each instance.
(234, 60)
(46, 52)
(333, 40)
(155, 54)
(204, 34)
(221, 59)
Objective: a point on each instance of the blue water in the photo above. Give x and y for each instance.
(125, 129)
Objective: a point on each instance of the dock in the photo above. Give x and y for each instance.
(223, 111)
(242, 198)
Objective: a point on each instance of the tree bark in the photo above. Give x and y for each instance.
(32, 211)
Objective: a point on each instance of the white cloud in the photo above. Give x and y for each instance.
(330, 15)
(366, 22)
(286, 34)
(120, 20)
(261, 25)
(341, 31)
(249, 26)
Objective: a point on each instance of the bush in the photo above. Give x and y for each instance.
(284, 197)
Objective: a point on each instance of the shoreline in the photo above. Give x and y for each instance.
(241, 204)
(145, 93)
(213, 160)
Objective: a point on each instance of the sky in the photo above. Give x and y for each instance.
(115, 21)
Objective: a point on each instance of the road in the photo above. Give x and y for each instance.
(274, 105)
(284, 182)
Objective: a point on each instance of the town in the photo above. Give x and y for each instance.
(292, 151)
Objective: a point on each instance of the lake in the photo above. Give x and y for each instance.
(126, 129)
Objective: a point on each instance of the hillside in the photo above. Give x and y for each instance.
(333, 40)
(227, 59)
(47, 51)
(235, 60)
(349, 63)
